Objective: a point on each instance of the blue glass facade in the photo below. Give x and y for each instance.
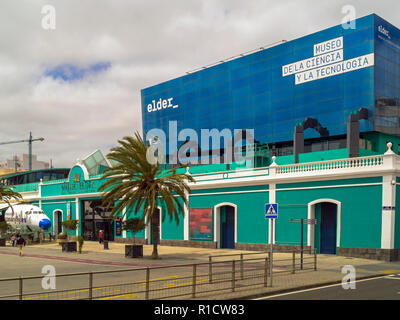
(387, 77)
(253, 91)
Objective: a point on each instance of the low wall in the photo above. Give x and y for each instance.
(366, 253)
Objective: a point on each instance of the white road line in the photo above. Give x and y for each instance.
(392, 277)
(313, 289)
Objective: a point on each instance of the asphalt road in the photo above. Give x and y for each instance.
(381, 288)
(115, 285)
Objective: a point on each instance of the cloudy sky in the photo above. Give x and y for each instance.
(78, 86)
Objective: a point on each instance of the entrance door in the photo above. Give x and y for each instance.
(59, 220)
(328, 228)
(108, 227)
(156, 220)
(227, 219)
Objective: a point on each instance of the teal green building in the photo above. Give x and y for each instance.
(343, 176)
(353, 200)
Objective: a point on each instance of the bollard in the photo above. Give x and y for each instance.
(105, 244)
(315, 259)
(90, 285)
(194, 282)
(210, 269)
(147, 284)
(293, 262)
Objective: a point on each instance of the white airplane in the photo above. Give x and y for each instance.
(27, 215)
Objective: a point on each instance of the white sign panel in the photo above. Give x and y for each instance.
(335, 69)
(326, 62)
(328, 46)
(311, 63)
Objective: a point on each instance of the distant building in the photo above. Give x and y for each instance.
(21, 163)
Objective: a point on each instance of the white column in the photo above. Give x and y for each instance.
(310, 227)
(77, 215)
(388, 211)
(186, 219)
(271, 222)
(272, 199)
(124, 219)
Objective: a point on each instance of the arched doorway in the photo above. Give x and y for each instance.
(325, 235)
(225, 216)
(57, 220)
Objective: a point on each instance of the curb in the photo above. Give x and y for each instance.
(310, 286)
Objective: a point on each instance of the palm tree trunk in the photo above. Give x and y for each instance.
(155, 223)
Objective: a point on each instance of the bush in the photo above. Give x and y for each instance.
(70, 225)
(80, 243)
(3, 227)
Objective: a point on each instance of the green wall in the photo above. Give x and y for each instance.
(252, 227)
(361, 211)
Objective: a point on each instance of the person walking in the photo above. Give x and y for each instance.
(100, 236)
(20, 243)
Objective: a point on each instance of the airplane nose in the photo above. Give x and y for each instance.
(44, 224)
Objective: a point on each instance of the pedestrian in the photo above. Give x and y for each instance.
(13, 239)
(100, 236)
(20, 243)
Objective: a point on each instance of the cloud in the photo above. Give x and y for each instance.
(79, 85)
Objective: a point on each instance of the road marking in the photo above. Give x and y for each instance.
(389, 271)
(392, 277)
(313, 289)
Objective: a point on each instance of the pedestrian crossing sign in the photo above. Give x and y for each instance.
(271, 211)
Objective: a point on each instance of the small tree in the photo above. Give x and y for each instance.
(3, 227)
(134, 225)
(80, 242)
(70, 225)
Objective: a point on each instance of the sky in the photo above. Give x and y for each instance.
(78, 85)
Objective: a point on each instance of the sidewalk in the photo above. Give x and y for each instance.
(329, 267)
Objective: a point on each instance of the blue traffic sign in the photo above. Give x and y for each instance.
(271, 211)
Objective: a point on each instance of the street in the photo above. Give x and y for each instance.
(381, 288)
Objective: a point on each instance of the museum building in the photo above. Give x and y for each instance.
(325, 112)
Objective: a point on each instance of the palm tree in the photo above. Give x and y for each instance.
(7, 194)
(135, 183)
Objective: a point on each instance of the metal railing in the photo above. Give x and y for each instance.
(161, 282)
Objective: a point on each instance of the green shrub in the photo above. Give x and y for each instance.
(70, 225)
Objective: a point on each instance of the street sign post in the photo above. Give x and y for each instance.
(271, 212)
(302, 222)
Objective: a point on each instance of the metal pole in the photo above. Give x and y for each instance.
(271, 258)
(210, 269)
(194, 281)
(20, 288)
(30, 151)
(147, 283)
(315, 259)
(294, 262)
(266, 272)
(90, 285)
(301, 250)
(233, 275)
(241, 266)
